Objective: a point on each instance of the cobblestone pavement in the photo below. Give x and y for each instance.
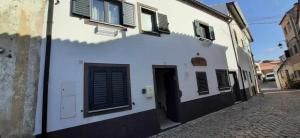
(270, 115)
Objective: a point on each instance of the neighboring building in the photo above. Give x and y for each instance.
(21, 36)
(289, 72)
(258, 71)
(111, 68)
(243, 65)
(268, 67)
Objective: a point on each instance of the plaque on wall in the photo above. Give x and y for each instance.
(199, 61)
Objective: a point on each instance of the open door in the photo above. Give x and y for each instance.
(235, 86)
(167, 95)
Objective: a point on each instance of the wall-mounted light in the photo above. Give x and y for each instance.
(280, 45)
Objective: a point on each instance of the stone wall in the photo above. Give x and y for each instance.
(21, 29)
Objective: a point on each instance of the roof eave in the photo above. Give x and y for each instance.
(208, 9)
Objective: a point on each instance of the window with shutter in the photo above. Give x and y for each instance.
(202, 30)
(212, 33)
(109, 12)
(250, 77)
(202, 83)
(107, 88)
(163, 24)
(106, 11)
(81, 7)
(128, 14)
(223, 80)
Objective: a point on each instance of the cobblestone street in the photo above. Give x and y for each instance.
(269, 115)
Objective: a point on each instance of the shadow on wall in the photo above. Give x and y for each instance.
(20, 67)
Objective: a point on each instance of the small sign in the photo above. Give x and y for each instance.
(199, 61)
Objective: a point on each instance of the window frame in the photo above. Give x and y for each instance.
(106, 6)
(296, 50)
(228, 80)
(245, 75)
(250, 77)
(198, 85)
(285, 30)
(155, 22)
(206, 28)
(87, 68)
(289, 26)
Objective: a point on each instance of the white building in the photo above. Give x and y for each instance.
(243, 66)
(134, 68)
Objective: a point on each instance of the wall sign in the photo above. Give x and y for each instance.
(199, 61)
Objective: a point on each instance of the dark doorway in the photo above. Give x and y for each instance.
(235, 86)
(167, 95)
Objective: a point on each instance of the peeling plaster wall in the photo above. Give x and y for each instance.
(21, 28)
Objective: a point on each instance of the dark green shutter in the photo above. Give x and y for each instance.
(202, 82)
(212, 33)
(81, 7)
(99, 91)
(198, 29)
(163, 24)
(119, 88)
(128, 14)
(108, 88)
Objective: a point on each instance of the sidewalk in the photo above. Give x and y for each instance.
(269, 115)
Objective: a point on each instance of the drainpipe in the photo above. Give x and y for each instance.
(47, 67)
(237, 61)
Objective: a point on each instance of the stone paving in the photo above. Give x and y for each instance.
(270, 115)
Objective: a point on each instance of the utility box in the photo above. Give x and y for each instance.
(148, 91)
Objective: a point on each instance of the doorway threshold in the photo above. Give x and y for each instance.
(167, 124)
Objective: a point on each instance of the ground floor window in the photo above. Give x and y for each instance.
(250, 77)
(202, 83)
(223, 80)
(107, 88)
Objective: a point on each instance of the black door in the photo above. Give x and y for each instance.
(168, 75)
(235, 87)
(172, 96)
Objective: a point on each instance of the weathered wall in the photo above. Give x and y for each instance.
(21, 27)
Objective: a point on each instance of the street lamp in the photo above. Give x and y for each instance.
(280, 45)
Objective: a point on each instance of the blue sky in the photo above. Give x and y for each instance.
(263, 17)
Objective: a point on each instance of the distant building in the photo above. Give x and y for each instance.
(258, 71)
(289, 71)
(267, 67)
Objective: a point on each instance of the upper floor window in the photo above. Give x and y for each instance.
(106, 11)
(110, 12)
(291, 51)
(236, 39)
(152, 22)
(148, 20)
(285, 30)
(289, 26)
(296, 49)
(203, 30)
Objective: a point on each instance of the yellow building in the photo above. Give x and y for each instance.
(289, 71)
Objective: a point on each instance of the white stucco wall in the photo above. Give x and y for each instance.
(75, 43)
(243, 55)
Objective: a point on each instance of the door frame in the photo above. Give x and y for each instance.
(238, 85)
(178, 95)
